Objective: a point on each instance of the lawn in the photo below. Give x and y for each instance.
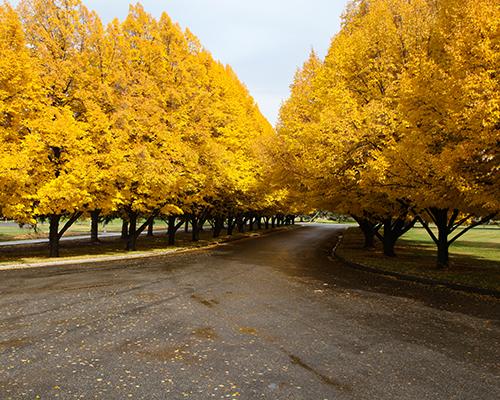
(11, 231)
(475, 257)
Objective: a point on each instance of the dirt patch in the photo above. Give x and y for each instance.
(205, 333)
(14, 343)
(248, 331)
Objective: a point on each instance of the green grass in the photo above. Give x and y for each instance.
(475, 257)
(482, 242)
(329, 221)
(9, 233)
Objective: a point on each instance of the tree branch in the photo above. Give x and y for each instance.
(69, 223)
(465, 230)
(429, 231)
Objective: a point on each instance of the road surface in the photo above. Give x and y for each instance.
(267, 318)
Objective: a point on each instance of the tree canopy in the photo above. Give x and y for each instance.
(400, 121)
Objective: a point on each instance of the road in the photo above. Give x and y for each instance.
(267, 318)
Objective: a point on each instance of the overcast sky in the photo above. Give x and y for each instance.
(263, 40)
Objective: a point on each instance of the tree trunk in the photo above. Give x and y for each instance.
(218, 226)
(94, 226)
(195, 233)
(441, 220)
(273, 222)
(251, 224)
(240, 221)
(151, 228)
(132, 236)
(186, 227)
(54, 235)
(368, 229)
(259, 223)
(201, 224)
(230, 226)
(390, 238)
(266, 222)
(171, 230)
(124, 229)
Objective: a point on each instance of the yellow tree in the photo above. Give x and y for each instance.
(300, 168)
(151, 155)
(447, 162)
(21, 98)
(60, 147)
(97, 101)
(408, 116)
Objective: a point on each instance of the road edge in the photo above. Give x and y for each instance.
(142, 255)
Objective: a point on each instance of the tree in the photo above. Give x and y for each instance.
(446, 164)
(21, 98)
(151, 157)
(402, 118)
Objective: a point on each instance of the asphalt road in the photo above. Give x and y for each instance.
(268, 318)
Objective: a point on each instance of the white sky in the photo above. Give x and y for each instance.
(265, 41)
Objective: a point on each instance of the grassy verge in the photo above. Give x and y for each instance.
(10, 231)
(109, 247)
(475, 259)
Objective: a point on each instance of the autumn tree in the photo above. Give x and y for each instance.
(21, 98)
(404, 125)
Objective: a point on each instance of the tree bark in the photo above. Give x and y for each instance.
(132, 232)
(390, 238)
(54, 220)
(441, 221)
(369, 229)
(94, 225)
(218, 226)
(151, 228)
(230, 226)
(195, 233)
(240, 221)
(171, 230)
(55, 235)
(124, 229)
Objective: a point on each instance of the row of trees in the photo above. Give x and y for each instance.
(400, 122)
(134, 120)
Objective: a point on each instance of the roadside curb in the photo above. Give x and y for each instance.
(139, 255)
(412, 278)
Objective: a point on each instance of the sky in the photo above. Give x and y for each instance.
(265, 41)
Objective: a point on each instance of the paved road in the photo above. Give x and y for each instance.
(268, 318)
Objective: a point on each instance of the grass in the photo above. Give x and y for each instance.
(83, 249)
(474, 258)
(10, 231)
(329, 221)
